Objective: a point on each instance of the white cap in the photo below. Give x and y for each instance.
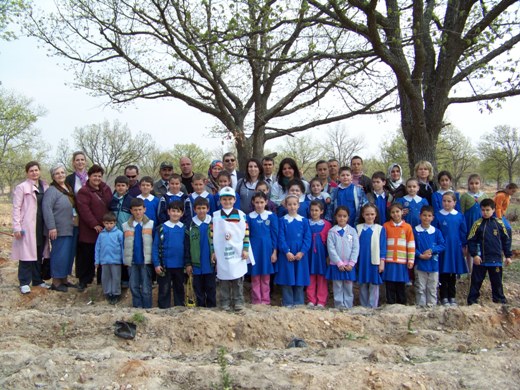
(227, 191)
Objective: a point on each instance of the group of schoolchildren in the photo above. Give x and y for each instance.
(380, 232)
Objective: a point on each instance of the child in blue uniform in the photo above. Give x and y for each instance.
(346, 194)
(444, 179)
(372, 254)
(263, 239)
(174, 193)
(452, 261)
(170, 257)
(197, 182)
(380, 197)
(151, 202)
(297, 188)
(294, 241)
(202, 268)
(429, 242)
(262, 186)
(343, 248)
(317, 193)
(412, 203)
(318, 292)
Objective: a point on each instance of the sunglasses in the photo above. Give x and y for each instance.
(131, 177)
(229, 160)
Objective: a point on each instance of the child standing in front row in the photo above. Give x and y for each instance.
(317, 291)
(169, 256)
(109, 255)
(400, 254)
(294, 241)
(372, 254)
(343, 247)
(138, 232)
(203, 269)
(429, 242)
(452, 261)
(263, 237)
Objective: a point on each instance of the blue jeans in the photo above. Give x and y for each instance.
(141, 285)
(292, 295)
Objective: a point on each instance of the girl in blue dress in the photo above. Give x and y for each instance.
(412, 203)
(263, 238)
(452, 261)
(318, 292)
(343, 247)
(294, 242)
(372, 254)
(296, 188)
(444, 179)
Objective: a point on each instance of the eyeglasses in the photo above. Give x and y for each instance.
(131, 177)
(229, 160)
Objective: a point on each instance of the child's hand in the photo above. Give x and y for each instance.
(405, 212)
(274, 257)
(507, 261)
(290, 256)
(348, 268)
(189, 269)
(410, 265)
(245, 255)
(213, 258)
(381, 266)
(426, 255)
(477, 260)
(298, 256)
(159, 270)
(328, 201)
(465, 250)
(97, 267)
(341, 268)
(98, 228)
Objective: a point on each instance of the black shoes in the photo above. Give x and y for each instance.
(61, 288)
(81, 287)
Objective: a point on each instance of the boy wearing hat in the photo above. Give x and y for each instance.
(230, 241)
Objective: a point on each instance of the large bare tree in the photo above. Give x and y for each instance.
(261, 68)
(439, 53)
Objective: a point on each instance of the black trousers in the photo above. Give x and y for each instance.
(395, 293)
(205, 287)
(85, 268)
(477, 278)
(447, 287)
(173, 279)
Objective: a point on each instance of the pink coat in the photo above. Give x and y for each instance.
(24, 218)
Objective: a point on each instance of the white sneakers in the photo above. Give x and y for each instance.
(25, 289)
(44, 285)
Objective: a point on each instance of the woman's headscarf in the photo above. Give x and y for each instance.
(212, 183)
(394, 184)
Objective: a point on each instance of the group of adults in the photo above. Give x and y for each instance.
(62, 220)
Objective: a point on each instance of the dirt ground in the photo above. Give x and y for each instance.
(52, 340)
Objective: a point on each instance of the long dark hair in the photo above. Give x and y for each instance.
(260, 169)
(289, 161)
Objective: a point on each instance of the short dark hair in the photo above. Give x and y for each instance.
(488, 203)
(379, 175)
(318, 203)
(344, 168)
(356, 158)
(175, 176)
(147, 179)
(198, 176)
(200, 201)
(95, 169)
(444, 173)
(512, 186)
(259, 194)
(267, 158)
(31, 164)
(427, 209)
(109, 217)
(176, 205)
(136, 202)
(321, 162)
(296, 182)
(224, 173)
(132, 167)
(122, 179)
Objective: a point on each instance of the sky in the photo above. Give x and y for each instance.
(26, 69)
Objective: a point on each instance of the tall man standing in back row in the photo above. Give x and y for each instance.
(230, 164)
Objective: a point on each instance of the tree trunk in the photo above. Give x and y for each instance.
(244, 149)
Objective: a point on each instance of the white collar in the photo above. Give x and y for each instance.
(179, 194)
(198, 222)
(227, 211)
(149, 198)
(366, 226)
(417, 198)
(319, 223)
(398, 224)
(204, 194)
(452, 212)
(381, 194)
(340, 185)
(442, 192)
(337, 228)
(265, 214)
(420, 229)
(170, 224)
(135, 223)
(299, 218)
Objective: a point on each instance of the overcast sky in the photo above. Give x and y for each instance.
(26, 69)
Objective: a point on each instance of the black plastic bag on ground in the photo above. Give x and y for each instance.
(125, 330)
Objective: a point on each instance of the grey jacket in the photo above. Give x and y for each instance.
(57, 212)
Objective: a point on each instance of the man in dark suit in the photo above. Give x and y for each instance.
(230, 164)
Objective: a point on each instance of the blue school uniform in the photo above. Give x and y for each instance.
(169, 245)
(303, 209)
(453, 227)
(322, 198)
(414, 206)
(318, 251)
(151, 203)
(425, 239)
(263, 239)
(343, 245)
(368, 272)
(353, 197)
(162, 212)
(437, 200)
(206, 195)
(294, 236)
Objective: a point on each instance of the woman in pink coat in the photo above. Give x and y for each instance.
(29, 244)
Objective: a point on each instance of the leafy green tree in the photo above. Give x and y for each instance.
(262, 68)
(199, 157)
(393, 150)
(438, 53)
(9, 11)
(500, 149)
(455, 153)
(305, 151)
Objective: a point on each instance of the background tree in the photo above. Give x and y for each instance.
(393, 150)
(9, 11)
(500, 149)
(455, 153)
(305, 151)
(339, 145)
(440, 53)
(199, 157)
(491, 170)
(149, 164)
(260, 68)
(112, 146)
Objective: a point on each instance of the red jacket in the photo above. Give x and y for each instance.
(92, 204)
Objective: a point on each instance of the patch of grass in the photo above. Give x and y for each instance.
(512, 272)
(352, 336)
(63, 329)
(225, 378)
(410, 328)
(138, 318)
